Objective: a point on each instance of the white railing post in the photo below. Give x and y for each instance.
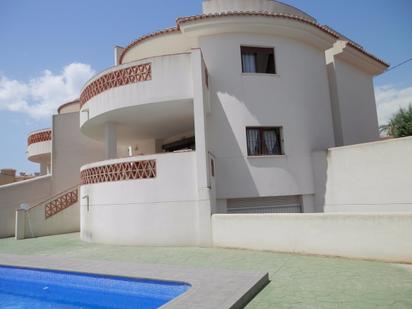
(20, 224)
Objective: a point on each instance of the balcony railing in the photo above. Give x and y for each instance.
(39, 136)
(119, 172)
(113, 79)
(162, 79)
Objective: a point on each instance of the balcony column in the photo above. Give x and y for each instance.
(110, 136)
(44, 170)
(204, 189)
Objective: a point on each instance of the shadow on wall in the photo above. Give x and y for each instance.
(241, 176)
(233, 176)
(71, 150)
(320, 177)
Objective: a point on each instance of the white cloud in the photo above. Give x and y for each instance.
(44, 94)
(389, 99)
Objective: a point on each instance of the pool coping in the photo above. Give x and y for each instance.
(210, 287)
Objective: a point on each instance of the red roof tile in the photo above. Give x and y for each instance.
(145, 37)
(188, 19)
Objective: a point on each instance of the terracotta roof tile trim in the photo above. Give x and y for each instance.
(145, 37)
(188, 19)
(326, 29)
(355, 46)
(183, 20)
(67, 104)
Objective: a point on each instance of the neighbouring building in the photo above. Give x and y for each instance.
(222, 113)
(8, 175)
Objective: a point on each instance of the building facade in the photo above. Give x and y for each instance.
(220, 114)
(230, 111)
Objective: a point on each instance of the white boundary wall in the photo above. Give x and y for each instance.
(30, 191)
(371, 177)
(33, 222)
(367, 236)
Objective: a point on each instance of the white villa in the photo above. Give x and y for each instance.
(226, 112)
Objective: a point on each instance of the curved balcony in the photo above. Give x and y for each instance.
(147, 98)
(144, 200)
(39, 146)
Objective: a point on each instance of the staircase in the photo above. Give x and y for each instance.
(58, 214)
(59, 202)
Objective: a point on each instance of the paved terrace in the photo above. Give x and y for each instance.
(296, 281)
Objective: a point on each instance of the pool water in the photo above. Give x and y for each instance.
(29, 288)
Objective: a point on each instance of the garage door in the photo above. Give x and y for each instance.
(278, 204)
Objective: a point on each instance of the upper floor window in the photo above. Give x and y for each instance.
(264, 141)
(258, 60)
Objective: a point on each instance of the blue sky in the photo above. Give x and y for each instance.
(49, 47)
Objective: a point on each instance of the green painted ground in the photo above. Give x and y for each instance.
(296, 281)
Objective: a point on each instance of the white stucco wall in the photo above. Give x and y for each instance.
(297, 98)
(357, 106)
(372, 177)
(12, 195)
(157, 211)
(166, 44)
(71, 150)
(366, 236)
(319, 165)
(36, 224)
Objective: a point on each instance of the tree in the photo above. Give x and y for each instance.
(400, 124)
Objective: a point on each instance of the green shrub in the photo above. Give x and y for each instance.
(400, 125)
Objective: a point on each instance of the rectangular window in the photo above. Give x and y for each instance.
(258, 60)
(264, 141)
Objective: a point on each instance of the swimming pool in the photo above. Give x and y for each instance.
(30, 288)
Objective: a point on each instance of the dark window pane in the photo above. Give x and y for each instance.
(271, 142)
(248, 63)
(253, 141)
(258, 60)
(264, 141)
(185, 143)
